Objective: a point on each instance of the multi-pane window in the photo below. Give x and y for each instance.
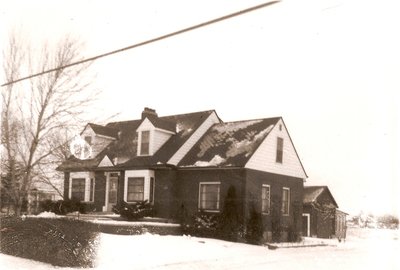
(145, 143)
(78, 189)
(265, 199)
(135, 189)
(285, 201)
(209, 196)
(279, 150)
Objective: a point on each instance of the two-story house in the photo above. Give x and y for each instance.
(189, 161)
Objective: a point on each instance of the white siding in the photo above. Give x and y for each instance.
(98, 142)
(105, 162)
(264, 159)
(177, 157)
(145, 125)
(87, 176)
(159, 139)
(157, 136)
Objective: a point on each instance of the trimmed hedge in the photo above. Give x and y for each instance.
(60, 242)
(63, 207)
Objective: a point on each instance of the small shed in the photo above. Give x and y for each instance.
(320, 213)
(340, 224)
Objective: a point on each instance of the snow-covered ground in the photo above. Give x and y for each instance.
(363, 249)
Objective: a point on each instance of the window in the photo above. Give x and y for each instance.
(88, 139)
(135, 189)
(78, 189)
(91, 192)
(151, 190)
(285, 201)
(265, 199)
(145, 143)
(279, 150)
(113, 188)
(209, 196)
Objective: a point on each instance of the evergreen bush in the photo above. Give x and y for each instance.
(276, 213)
(228, 223)
(254, 229)
(133, 211)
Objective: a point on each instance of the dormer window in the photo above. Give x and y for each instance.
(153, 132)
(145, 143)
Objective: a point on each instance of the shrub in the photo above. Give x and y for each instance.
(228, 223)
(60, 242)
(293, 234)
(63, 207)
(276, 219)
(202, 225)
(254, 229)
(133, 211)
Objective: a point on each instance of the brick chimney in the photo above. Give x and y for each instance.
(149, 113)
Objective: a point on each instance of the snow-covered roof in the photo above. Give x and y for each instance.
(229, 144)
(125, 147)
(312, 194)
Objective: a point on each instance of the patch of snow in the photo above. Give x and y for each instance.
(263, 133)
(8, 262)
(234, 126)
(45, 215)
(246, 145)
(133, 223)
(363, 249)
(215, 161)
(178, 128)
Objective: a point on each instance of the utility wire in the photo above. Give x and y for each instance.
(235, 14)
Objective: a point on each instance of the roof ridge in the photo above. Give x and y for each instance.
(206, 111)
(248, 120)
(99, 125)
(159, 117)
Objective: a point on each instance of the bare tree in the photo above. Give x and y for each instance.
(36, 113)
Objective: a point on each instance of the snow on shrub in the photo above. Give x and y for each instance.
(133, 211)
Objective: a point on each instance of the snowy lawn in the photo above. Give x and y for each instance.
(363, 249)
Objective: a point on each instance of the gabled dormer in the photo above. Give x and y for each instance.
(98, 137)
(152, 133)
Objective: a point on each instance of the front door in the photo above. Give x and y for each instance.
(112, 191)
(306, 224)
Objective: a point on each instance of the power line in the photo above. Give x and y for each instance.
(235, 14)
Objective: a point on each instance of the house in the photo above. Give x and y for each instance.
(187, 162)
(321, 216)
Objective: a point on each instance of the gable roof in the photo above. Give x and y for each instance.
(311, 194)
(162, 123)
(125, 147)
(229, 144)
(102, 130)
(186, 125)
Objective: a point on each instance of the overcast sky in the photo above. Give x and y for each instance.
(330, 68)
